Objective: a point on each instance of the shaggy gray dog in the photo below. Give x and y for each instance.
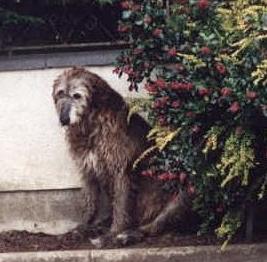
(105, 145)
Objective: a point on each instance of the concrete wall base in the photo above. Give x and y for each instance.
(48, 211)
(235, 253)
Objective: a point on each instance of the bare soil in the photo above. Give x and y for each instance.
(14, 241)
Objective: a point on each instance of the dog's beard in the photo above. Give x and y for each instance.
(77, 111)
(75, 116)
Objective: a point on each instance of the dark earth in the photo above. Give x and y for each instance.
(14, 241)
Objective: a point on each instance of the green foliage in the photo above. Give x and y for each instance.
(104, 2)
(230, 224)
(8, 18)
(212, 137)
(237, 159)
(204, 63)
(138, 105)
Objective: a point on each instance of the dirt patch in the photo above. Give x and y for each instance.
(15, 241)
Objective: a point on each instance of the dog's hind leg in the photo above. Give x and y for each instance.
(176, 210)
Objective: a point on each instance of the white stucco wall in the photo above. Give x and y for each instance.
(33, 154)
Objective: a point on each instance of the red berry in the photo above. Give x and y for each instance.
(226, 91)
(205, 50)
(138, 51)
(251, 95)
(160, 102)
(203, 4)
(157, 32)
(191, 190)
(167, 176)
(176, 85)
(147, 173)
(117, 70)
(163, 176)
(182, 177)
(157, 104)
(203, 91)
(128, 70)
(190, 114)
(172, 52)
(125, 4)
(164, 100)
(172, 176)
(176, 104)
(151, 88)
(162, 120)
(123, 28)
(161, 83)
(235, 107)
(196, 129)
(188, 86)
(136, 8)
(181, 86)
(220, 68)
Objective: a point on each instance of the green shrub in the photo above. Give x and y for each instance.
(204, 64)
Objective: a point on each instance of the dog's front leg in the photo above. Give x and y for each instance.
(90, 196)
(122, 205)
(121, 212)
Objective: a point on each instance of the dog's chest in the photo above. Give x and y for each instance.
(89, 162)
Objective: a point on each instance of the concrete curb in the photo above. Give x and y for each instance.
(234, 253)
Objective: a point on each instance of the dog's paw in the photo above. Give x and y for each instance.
(150, 229)
(98, 242)
(103, 241)
(128, 238)
(122, 239)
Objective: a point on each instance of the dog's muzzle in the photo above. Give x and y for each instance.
(65, 114)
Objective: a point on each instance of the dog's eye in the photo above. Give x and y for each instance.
(77, 96)
(60, 93)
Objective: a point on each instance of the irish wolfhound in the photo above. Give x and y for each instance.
(105, 145)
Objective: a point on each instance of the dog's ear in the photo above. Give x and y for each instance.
(55, 85)
(104, 96)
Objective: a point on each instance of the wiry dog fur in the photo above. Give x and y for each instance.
(105, 145)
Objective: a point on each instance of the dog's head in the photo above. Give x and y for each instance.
(72, 94)
(77, 92)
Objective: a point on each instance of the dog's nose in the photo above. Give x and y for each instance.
(65, 114)
(64, 120)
